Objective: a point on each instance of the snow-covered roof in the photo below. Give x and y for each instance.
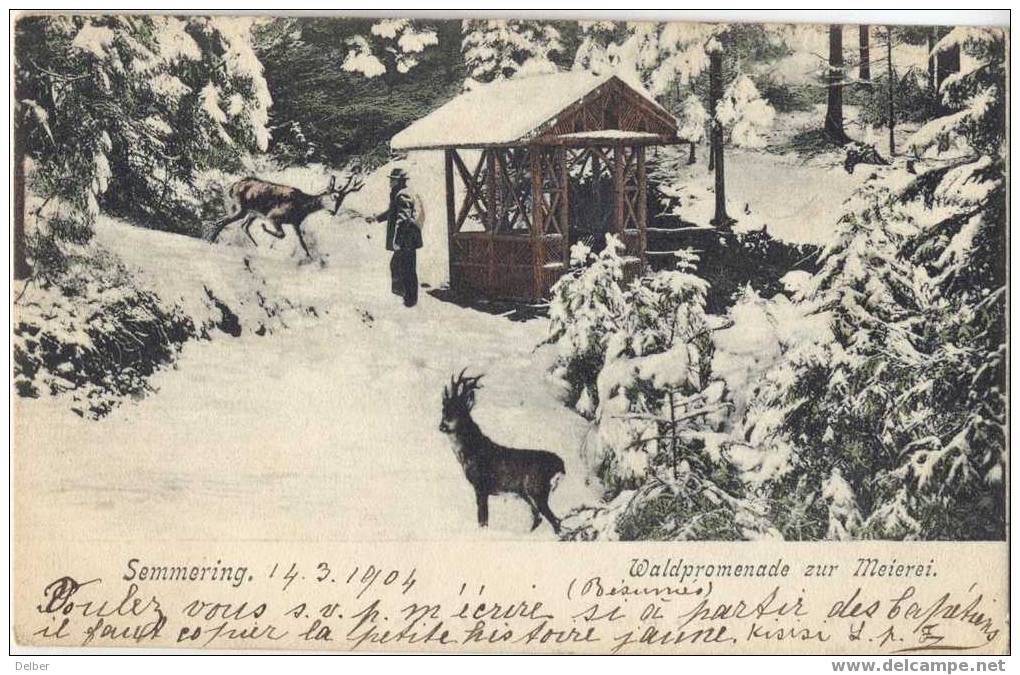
(505, 112)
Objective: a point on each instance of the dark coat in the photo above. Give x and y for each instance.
(402, 229)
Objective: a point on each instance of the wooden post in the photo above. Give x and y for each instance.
(451, 216)
(642, 205)
(619, 186)
(537, 219)
(563, 227)
(490, 216)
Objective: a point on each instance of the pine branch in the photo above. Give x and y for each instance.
(686, 416)
(58, 76)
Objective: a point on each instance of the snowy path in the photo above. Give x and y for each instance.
(326, 431)
(800, 203)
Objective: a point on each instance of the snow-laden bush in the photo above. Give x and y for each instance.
(912, 103)
(686, 507)
(639, 355)
(92, 333)
(655, 377)
(586, 306)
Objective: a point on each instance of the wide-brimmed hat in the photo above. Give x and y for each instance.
(398, 173)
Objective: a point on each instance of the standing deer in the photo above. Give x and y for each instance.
(251, 198)
(491, 468)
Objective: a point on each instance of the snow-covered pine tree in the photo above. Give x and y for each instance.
(640, 353)
(807, 412)
(597, 45)
(586, 306)
(124, 111)
(498, 49)
(397, 41)
(344, 86)
(693, 120)
(907, 402)
(955, 474)
(671, 55)
(744, 114)
(659, 56)
(118, 114)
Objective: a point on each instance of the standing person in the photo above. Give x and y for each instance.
(403, 237)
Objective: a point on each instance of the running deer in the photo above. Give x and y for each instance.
(491, 468)
(251, 198)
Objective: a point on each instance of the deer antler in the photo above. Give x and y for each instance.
(461, 385)
(355, 180)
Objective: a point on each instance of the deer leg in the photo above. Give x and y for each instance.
(223, 222)
(246, 226)
(536, 515)
(277, 230)
(483, 508)
(301, 239)
(543, 507)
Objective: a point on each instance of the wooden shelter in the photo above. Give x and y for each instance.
(535, 164)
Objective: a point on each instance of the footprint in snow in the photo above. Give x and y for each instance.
(365, 316)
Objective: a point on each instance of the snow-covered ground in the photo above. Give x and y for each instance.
(798, 203)
(327, 427)
(798, 197)
(327, 430)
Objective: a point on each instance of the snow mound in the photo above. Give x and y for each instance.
(327, 430)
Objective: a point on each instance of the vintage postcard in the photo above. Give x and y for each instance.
(519, 336)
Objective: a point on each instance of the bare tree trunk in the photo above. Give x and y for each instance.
(20, 267)
(711, 150)
(865, 65)
(933, 88)
(892, 90)
(672, 434)
(834, 110)
(721, 219)
(692, 159)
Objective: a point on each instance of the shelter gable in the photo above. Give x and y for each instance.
(536, 109)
